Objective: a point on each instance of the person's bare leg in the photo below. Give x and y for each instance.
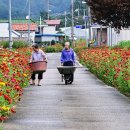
(33, 82)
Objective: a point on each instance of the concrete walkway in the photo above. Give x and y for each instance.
(88, 104)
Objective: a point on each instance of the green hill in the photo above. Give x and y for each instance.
(20, 7)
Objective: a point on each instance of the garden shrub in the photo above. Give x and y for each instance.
(54, 48)
(79, 48)
(50, 49)
(80, 45)
(16, 44)
(123, 44)
(4, 44)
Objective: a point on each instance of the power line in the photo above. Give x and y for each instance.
(25, 6)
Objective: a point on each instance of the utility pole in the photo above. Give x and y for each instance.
(40, 24)
(85, 19)
(89, 15)
(29, 16)
(89, 22)
(111, 37)
(65, 23)
(48, 8)
(72, 28)
(10, 25)
(100, 35)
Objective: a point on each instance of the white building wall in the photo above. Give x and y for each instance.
(114, 38)
(125, 34)
(32, 35)
(4, 31)
(49, 30)
(78, 33)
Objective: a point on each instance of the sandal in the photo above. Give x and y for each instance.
(32, 84)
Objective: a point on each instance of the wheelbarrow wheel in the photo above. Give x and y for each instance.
(62, 78)
(71, 82)
(66, 82)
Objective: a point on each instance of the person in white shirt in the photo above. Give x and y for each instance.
(37, 55)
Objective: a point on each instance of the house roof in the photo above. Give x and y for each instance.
(53, 22)
(24, 26)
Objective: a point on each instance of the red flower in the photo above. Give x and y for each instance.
(17, 88)
(9, 99)
(12, 110)
(3, 118)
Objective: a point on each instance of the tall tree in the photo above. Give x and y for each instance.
(114, 13)
(44, 15)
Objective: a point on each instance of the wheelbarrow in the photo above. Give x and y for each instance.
(66, 73)
(39, 66)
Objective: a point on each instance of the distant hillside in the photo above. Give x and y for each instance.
(19, 7)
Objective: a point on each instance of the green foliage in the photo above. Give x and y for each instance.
(19, 10)
(20, 44)
(4, 44)
(78, 14)
(44, 14)
(123, 44)
(81, 42)
(16, 44)
(111, 13)
(53, 42)
(80, 45)
(50, 49)
(1, 126)
(54, 48)
(79, 48)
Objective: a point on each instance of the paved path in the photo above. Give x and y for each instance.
(86, 105)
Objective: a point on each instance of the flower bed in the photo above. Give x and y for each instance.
(14, 76)
(110, 65)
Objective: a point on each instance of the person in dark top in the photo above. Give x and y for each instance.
(68, 58)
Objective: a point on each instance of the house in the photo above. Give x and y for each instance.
(109, 36)
(78, 32)
(39, 38)
(99, 34)
(115, 37)
(19, 29)
(22, 28)
(48, 34)
(4, 32)
(53, 23)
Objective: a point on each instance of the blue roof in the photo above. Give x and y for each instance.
(49, 35)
